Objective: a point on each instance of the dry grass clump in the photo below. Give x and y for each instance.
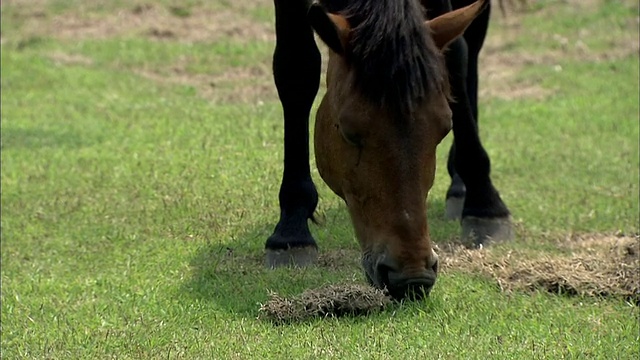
(599, 266)
(327, 301)
(593, 265)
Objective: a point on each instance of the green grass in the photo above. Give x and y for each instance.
(134, 213)
(603, 27)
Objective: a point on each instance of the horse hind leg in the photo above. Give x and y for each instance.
(474, 38)
(484, 216)
(456, 193)
(296, 70)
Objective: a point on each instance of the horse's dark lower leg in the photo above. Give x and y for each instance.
(457, 191)
(474, 37)
(296, 69)
(471, 196)
(484, 214)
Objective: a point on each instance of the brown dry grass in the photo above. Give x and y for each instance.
(148, 20)
(249, 84)
(327, 301)
(61, 58)
(592, 265)
(500, 65)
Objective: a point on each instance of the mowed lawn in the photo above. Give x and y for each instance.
(141, 159)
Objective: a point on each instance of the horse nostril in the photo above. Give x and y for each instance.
(383, 271)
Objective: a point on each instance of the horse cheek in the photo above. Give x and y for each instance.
(327, 145)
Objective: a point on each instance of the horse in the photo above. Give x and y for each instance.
(401, 74)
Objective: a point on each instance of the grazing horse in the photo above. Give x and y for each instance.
(391, 97)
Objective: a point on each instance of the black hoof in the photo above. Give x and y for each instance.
(477, 232)
(293, 257)
(453, 208)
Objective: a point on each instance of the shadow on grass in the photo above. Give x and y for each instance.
(14, 138)
(237, 281)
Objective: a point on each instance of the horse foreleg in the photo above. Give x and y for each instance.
(296, 70)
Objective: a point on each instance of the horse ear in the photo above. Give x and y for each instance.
(447, 27)
(333, 29)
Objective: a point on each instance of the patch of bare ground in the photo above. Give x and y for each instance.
(340, 259)
(151, 21)
(329, 259)
(62, 58)
(251, 84)
(593, 265)
(499, 64)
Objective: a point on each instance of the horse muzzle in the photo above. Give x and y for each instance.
(401, 283)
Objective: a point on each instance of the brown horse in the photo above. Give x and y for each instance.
(377, 128)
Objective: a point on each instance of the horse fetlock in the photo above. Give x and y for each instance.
(301, 196)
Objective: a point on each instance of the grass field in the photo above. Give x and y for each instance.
(141, 159)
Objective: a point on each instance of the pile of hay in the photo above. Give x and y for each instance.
(327, 301)
(601, 266)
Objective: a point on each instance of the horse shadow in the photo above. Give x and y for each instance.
(16, 138)
(235, 279)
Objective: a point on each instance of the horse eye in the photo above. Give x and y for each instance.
(351, 137)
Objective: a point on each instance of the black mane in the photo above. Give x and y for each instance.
(395, 60)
